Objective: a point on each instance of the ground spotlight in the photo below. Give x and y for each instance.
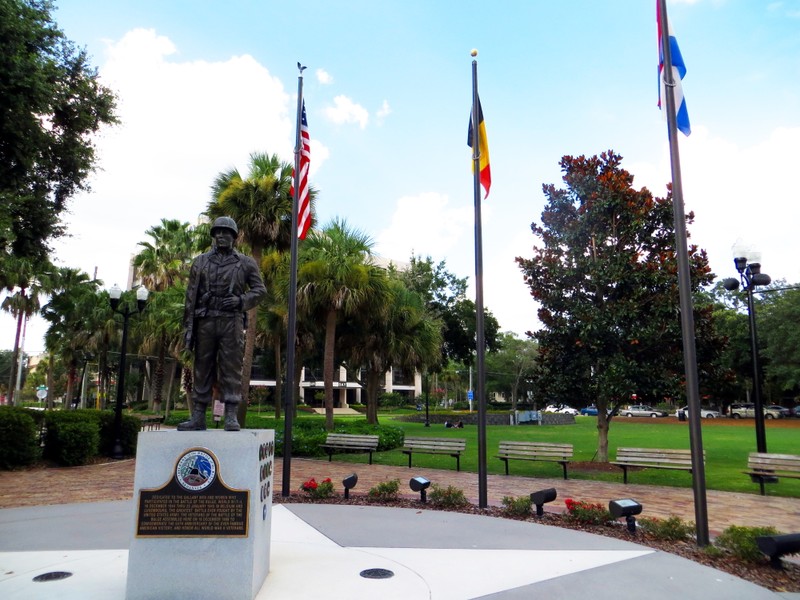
(420, 484)
(541, 497)
(627, 508)
(776, 546)
(349, 483)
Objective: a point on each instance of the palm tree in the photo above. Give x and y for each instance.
(163, 263)
(395, 331)
(262, 208)
(336, 278)
(165, 259)
(69, 311)
(26, 279)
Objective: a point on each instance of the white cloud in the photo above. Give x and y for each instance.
(384, 111)
(425, 225)
(182, 123)
(319, 154)
(347, 111)
(324, 77)
(738, 192)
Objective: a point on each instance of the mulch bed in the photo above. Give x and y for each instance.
(760, 573)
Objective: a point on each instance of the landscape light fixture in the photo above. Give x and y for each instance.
(748, 264)
(538, 499)
(627, 508)
(420, 484)
(349, 483)
(114, 296)
(776, 546)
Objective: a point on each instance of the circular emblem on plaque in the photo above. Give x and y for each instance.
(196, 470)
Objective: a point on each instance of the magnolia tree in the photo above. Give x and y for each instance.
(604, 274)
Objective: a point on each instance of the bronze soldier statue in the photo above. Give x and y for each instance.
(223, 285)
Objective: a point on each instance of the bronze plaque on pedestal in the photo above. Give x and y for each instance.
(195, 502)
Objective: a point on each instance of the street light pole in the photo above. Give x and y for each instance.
(114, 294)
(749, 268)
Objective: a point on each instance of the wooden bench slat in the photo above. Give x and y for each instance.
(350, 442)
(653, 458)
(535, 451)
(449, 446)
(766, 468)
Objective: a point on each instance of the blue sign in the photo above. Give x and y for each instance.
(470, 395)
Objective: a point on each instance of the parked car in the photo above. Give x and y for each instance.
(705, 413)
(641, 410)
(748, 411)
(785, 412)
(589, 410)
(553, 408)
(567, 410)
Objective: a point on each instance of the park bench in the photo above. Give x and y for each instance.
(653, 458)
(348, 442)
(431, 445)
(543, 451)
(768, 468)
(151, 423)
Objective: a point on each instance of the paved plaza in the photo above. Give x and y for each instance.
(79, 521)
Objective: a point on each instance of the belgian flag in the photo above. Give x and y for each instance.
(483, 150)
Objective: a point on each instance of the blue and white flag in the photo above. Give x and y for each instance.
(678, 73)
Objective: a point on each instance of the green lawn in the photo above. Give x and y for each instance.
(726, 448)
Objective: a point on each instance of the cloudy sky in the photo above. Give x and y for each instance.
(203, 84)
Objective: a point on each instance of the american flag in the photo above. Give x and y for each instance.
(304, 203)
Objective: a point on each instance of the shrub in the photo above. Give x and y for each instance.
(20, 438)
(741, 541)
(517, 507)
(449, 497)
(391, 400)
(318, 491)
(586, 513)
(103, 423)
(77, 443)
(385, 491)
(671, 528)
(129, 432)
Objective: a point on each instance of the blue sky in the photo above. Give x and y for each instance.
(203, 84)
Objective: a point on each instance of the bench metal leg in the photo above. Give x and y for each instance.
(458, 462)
(370, 457)
(624, 474)
(564, 466)
(505, 460)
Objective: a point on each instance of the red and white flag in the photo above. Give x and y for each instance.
(304, 202)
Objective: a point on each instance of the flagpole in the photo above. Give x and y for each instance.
(479, 320)
(291, 334)
(685, 290)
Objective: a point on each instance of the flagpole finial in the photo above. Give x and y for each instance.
(473, 52)
(301, 68)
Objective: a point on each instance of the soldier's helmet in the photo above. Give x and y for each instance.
(225, 223)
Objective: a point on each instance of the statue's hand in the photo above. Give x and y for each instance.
(231, 303)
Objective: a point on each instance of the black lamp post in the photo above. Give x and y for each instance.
(427, 392)
(114, 294)
(749, 267)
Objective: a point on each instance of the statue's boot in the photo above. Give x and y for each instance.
(231, 421)
(198, 420)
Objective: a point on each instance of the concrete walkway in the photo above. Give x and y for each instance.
(79, 520)
(114, 481)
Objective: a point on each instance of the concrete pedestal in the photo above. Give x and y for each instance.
(202, 515)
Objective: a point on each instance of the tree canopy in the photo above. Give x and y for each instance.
(604, 272)
(445, 296)
(51, 102)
